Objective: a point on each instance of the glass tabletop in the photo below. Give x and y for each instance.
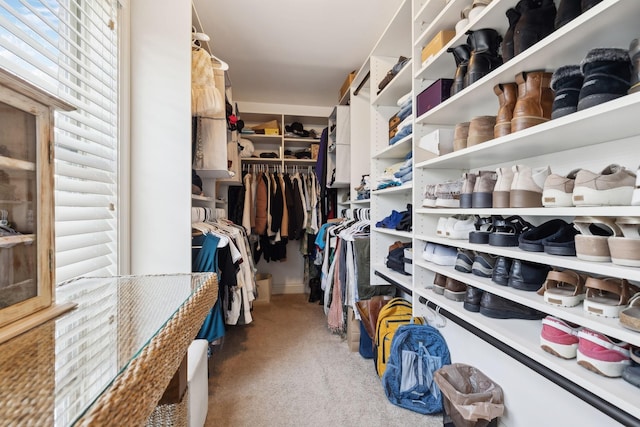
(53, 373)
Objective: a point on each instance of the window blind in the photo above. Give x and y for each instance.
(70, 48)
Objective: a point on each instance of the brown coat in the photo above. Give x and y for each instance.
(261, 205)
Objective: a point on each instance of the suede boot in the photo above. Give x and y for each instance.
(466, 194)
(607, 76)
(513, 14)
(483, 189)
(480, 129)
(461, 55)
(566, 83)
(502, 187)
(535, 99)
(460, 135)
(588, 4)
(484, 54)
(634, 55)
(535, 23)
(567, 11)
(507, 96)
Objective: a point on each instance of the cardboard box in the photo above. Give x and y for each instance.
(263, 282)
(437, 43)
(438, 142)
(353, 331)
(346, 84)
(269, 128)
(433, 95)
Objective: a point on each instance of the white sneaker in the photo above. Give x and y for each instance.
(459, 226)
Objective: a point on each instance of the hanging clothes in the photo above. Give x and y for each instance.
(206, 99)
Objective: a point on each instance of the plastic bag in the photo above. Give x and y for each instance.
(470, 397)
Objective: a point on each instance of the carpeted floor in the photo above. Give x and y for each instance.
(287, 369)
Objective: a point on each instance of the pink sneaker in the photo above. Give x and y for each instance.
(559, 338)
(602, 354)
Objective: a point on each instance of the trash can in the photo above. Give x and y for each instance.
(470, 398)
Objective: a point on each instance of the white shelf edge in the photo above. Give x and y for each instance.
(390, 190)
(393, 232)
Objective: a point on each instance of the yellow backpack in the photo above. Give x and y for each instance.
(395, 313)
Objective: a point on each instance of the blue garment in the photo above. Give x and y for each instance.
(207, 260)
(403, 171)
(405, 111)
(320, 240)
(391, 221)
(407, 177)
(407, 130)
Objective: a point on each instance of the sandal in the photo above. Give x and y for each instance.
(563, 288)
(630, 316)
(626, 250)
(507, 231)
(484, 227)
(591, 243)
(607, 296)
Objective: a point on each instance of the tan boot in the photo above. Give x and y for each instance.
(480, 129)
(502, 188)
(507, 97)
(535, 100)
(460, 135)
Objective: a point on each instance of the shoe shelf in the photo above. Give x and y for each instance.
(520, 334)
(574, 211)
(393, 232)
(404, 188)
(578, 130)
(570, 262)
(606, 325)
(402, 279)
(591, 29)
(396, 151)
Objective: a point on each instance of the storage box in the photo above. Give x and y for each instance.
(438, 142)
(353, 331)
(437, 43)
(433, 95)
(263, 282)
(269, 128)
(315, 148)
(346, 84)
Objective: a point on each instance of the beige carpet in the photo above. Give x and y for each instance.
(287, 369)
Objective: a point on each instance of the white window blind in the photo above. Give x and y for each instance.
(70, 48)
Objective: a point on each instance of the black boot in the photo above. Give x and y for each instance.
(634, 55)
(461, 55)
(607, 76)
(536, 22)
(567, 11)
(588, 4)
(566, 83)
(507, 43)
(484, 54)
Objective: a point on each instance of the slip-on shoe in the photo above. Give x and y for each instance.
(501, 308)
(533, 239)
(527, 276)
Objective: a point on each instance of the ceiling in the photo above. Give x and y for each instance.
(292, 51)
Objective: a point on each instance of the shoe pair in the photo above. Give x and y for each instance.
(613, 186)
(443, 195)
(519, 274)
(555, 237)
(479, 263)
(593, 350)
(439, 254)
(456, 227)
(452, 289)
(604, 239)
(519, 186)
(477, 189)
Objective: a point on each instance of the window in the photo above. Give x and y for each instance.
(70, 48)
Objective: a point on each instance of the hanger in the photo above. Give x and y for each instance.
(208, 229)
(196, 43)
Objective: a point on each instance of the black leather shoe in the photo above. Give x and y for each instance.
(527, 276)
(472, 299)
(500, 308)
(501, 270)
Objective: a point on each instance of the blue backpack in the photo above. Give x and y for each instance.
(417, 351)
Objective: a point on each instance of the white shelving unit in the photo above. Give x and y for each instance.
(507, 350)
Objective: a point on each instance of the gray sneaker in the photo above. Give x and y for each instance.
(612, 187)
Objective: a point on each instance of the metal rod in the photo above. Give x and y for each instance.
(355, 92)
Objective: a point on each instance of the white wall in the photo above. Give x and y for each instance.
(160, 137)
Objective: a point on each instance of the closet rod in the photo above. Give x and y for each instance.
(355, 92)
(596, 401)
(395, 283)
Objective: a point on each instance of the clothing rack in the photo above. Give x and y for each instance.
(358, 214)
(201, 214)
